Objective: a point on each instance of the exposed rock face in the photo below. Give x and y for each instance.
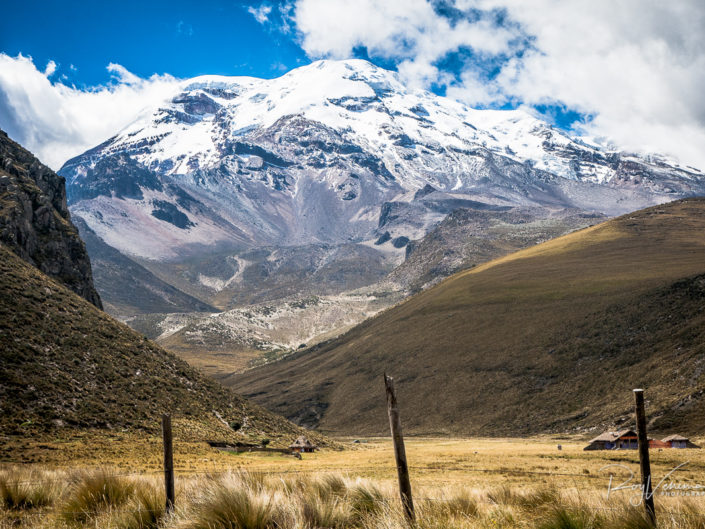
(35, 222)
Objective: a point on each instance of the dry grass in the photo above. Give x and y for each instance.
(95, 493)
(239, 500)
(524, 488)
(23, 489)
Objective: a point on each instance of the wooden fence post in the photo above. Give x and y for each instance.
(647, 494)
(399, 450)
(168, 462)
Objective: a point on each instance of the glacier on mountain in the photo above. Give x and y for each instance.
(337, 152)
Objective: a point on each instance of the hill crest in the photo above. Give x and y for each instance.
(550, 338)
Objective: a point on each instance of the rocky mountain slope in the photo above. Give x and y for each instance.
(65, 364)
(131, 287)
(240, 338)
(334, 156)
(35, 222)
(470, 237)
(550, 338)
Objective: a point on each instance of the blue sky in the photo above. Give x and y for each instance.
(629, 74)
(186, 39)
(181, 38)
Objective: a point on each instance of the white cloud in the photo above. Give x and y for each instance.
(57, 122)
(406, 30)
(50, 69)
(260, 13)
(636, 66)
(123, 75)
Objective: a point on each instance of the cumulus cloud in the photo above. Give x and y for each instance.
(637, 67)
(57, 122)
(410, 31)
(260, 13)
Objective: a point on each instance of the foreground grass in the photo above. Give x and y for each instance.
(245, 500)
(458, 483)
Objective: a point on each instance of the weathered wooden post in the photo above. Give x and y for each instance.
(643, 440)
(168, 462)
(399, 450)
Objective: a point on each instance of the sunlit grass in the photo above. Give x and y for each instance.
(457, 483)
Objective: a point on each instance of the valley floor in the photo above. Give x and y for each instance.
(489, 482)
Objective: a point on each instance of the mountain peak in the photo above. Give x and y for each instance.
(320, 153)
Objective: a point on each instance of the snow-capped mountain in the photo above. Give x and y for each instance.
(314, 155)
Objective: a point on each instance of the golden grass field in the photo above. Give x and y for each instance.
(456, 483)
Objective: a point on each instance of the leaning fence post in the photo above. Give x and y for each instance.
(644, 463)
(168, 462)
(399, 451)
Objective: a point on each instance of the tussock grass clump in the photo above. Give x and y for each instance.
(571, 518)
(456, 510)
(538, 499)
(630, 517)
(94, 493)
(332, 512)
(24, 490)
(328, 486)
(691, 515)
(459, 506)
(365, 499)
(145, 510)
(503, 496)
(243, 500)
(238, 501)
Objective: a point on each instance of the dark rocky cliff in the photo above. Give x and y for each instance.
(35, 222)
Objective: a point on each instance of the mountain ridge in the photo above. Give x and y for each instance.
(35, 222)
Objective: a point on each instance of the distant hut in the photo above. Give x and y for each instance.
(655, 443)
(302, 444)
(678, 441)
(621, 440)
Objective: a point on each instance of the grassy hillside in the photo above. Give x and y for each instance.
(64, 364)
(551, 338)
